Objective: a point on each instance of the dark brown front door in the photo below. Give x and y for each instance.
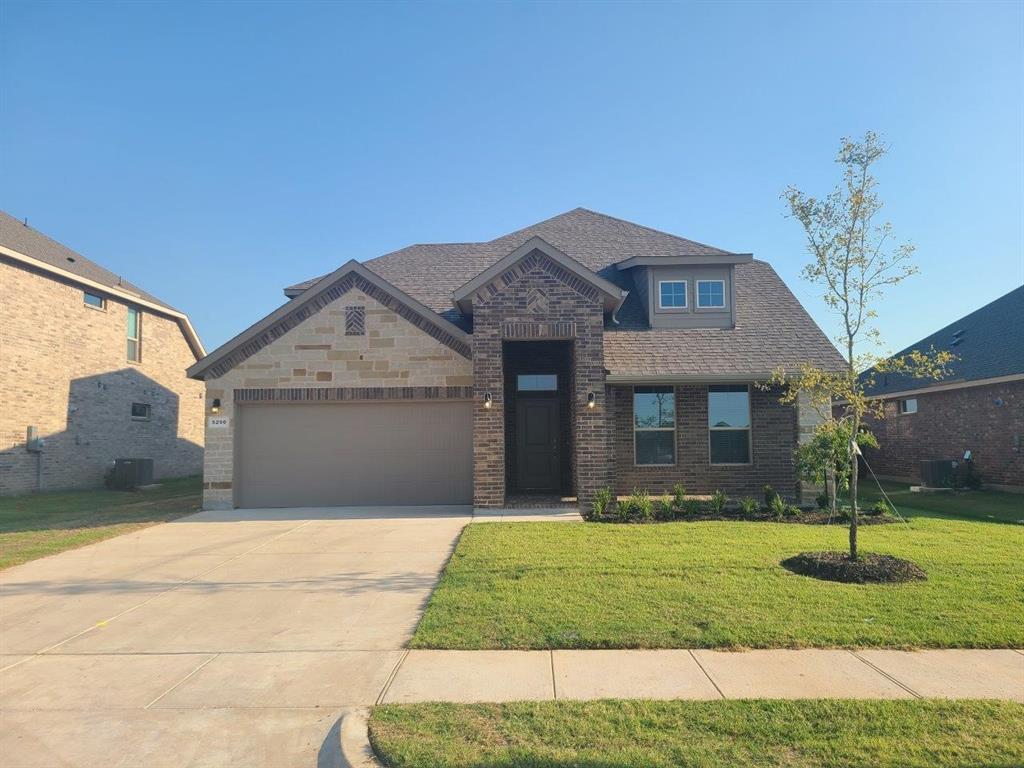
(537, 444)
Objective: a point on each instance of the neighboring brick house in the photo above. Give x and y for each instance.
(978, 407)
(579, 353)
(95, 364)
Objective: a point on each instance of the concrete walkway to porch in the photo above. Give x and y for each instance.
(496, 676)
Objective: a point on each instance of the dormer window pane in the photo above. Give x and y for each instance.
(710, 293)
(672, 294)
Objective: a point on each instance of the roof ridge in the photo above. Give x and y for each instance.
(650, 229)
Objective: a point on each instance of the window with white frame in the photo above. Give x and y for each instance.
(729, 423)
(141, 411)
(909, 405)
(710, 293)
(654, 425)
(134, 335)
(672, 294)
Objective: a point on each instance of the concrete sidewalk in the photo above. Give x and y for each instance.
(471, 676)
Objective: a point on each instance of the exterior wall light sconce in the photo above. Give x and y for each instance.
(215, 405)
(591, 400)
(487, 400)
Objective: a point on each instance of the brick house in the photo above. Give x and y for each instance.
(95, 364)
(579, 353)
(978, 407)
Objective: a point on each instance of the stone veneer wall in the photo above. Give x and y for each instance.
(537, 299)
(947, 424)
(773, 438)
(64, 370)
(393, 353)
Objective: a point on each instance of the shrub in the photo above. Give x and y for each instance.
(678, 495)
(640, 505)
(602, 502)
(777, 506)
(769, 495)
(718, 501)
(821, 500)
(792, 510)
(878, 508)
(691, 507)
(665, 510)
(748, 506)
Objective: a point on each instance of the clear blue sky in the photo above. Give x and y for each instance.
(214, 153)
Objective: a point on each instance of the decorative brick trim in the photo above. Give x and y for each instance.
(301, 314)
(528, 330)
(535, 260)
(350, 394)
(355, 321)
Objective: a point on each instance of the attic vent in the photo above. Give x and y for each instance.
(70, 258)
(955, 341)
(958, 334)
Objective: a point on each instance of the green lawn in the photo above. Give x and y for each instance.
(992, 506)
(709, 734)
(719, 585)
(46, 523)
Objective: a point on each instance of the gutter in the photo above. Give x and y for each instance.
(947, 387)
(186, 326)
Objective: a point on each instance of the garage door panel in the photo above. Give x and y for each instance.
(341, 454)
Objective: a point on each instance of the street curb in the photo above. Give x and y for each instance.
(356, 751)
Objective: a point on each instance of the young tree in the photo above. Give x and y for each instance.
(854, 260)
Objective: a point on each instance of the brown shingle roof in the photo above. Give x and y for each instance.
(20, 237)
(772, 328)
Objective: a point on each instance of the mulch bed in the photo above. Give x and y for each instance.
(866, 569)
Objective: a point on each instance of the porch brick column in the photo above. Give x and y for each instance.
(488, 423)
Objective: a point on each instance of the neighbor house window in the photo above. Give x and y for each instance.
(355, 321)
(134, 335)
(710, 293)
(909, 405)
(140, 411)
(729, 423)
(539, 382)
(654, 425)
(94, 300)
(672, 294)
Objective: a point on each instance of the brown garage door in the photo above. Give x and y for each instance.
(341, 454)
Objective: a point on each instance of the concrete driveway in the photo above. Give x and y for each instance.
(229, 638)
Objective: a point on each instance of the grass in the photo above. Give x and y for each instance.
(737, 734)
(43, 524)
(991, 506)
(719, 585)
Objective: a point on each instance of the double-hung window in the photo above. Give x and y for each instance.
(710, 294)
(654, 425)
(134, 335)
(729, 423)
(672, 294)
(909, 405)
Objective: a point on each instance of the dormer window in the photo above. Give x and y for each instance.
(672, 294)
(710, 293)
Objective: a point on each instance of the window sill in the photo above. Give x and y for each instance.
(740, 464)
(94, 308)
(654, 466)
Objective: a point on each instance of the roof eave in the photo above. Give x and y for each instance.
(685, 260)
(191, 337)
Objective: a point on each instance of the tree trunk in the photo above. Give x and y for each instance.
(854, 468)
(830, 490)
